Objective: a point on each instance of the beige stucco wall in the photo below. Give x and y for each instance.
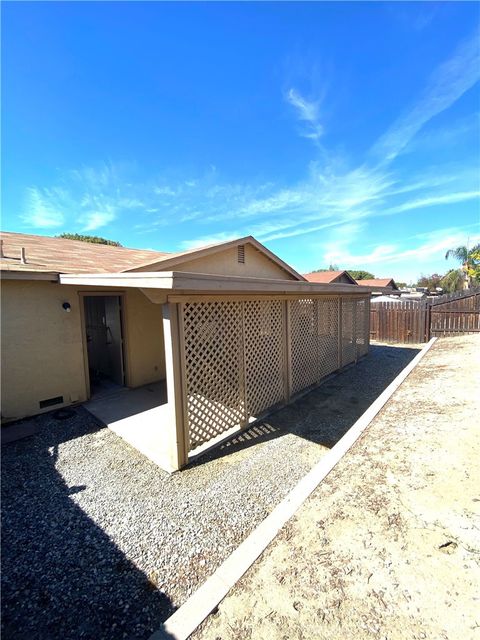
(43, 350)
(145, 353)
(226, 263)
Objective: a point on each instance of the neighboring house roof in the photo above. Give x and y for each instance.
(327, 277)
(378, 282)
(171, 260)
(45, 254)
(58, 255)
(385, 298)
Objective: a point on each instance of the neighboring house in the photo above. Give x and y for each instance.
(229, 330)
(379, 285)
(396, 299)
(329, 277)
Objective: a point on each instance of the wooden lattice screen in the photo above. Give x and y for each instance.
(314, 340)
(349, 331)
(363, 326)
(215, 375)
(242, 357)
(264, 332)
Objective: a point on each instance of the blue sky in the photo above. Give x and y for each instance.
(343, 133)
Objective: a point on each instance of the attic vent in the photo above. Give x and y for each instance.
(241, 253)
(50, 402)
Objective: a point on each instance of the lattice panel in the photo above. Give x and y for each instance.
(235, 363)
(362, 327)
(314, 340)
(214, 373)
(349, 349)
(327, 335)
(264, 354)
(304, 343)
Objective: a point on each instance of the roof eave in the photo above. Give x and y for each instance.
(50, 276)
(181, 281)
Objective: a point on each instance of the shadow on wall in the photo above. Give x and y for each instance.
(327, 412)
(62, 576)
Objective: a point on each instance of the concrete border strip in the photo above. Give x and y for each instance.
(200, 604)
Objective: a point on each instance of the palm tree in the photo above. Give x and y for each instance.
(467, 257)
(452, 281)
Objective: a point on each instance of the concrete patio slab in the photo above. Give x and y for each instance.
(138, 416)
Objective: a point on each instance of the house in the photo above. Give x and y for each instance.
(329, 277)
(379, 285)
(173, 351)
(397, 299)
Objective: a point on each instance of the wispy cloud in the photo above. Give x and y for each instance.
(330, 196)
(207, 240)
(308, 111)
(43, 208)
(381, 258)
(97, 219)
(86, 199)
(446, 85)
(434, 200)
(437, 139)
(336, 194)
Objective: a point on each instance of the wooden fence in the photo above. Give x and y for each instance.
(410, 321)
(456, 314)
(404, 321)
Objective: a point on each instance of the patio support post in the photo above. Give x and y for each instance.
(176, 433)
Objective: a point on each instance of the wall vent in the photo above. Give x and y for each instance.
(50, 402)
(241, 253)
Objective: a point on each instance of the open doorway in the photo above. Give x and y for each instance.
(104, 338)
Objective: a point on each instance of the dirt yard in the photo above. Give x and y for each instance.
(388, 546)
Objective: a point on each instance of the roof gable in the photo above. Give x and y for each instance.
(329, 277)
(378, 282)
(172, 261)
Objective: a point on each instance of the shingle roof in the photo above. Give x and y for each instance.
(327, 276)
(377, 282)
(58, 255)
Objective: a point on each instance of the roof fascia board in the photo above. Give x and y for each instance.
(195, 282)
(29, 275)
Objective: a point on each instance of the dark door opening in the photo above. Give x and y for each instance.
(103, 327)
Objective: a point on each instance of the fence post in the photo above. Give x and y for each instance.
(428, 321)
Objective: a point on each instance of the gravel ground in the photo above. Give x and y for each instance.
(98, 542)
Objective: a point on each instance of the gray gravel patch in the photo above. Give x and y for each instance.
(98, 542)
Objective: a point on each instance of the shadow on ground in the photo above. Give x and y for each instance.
(56, 559)
(327, 412)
